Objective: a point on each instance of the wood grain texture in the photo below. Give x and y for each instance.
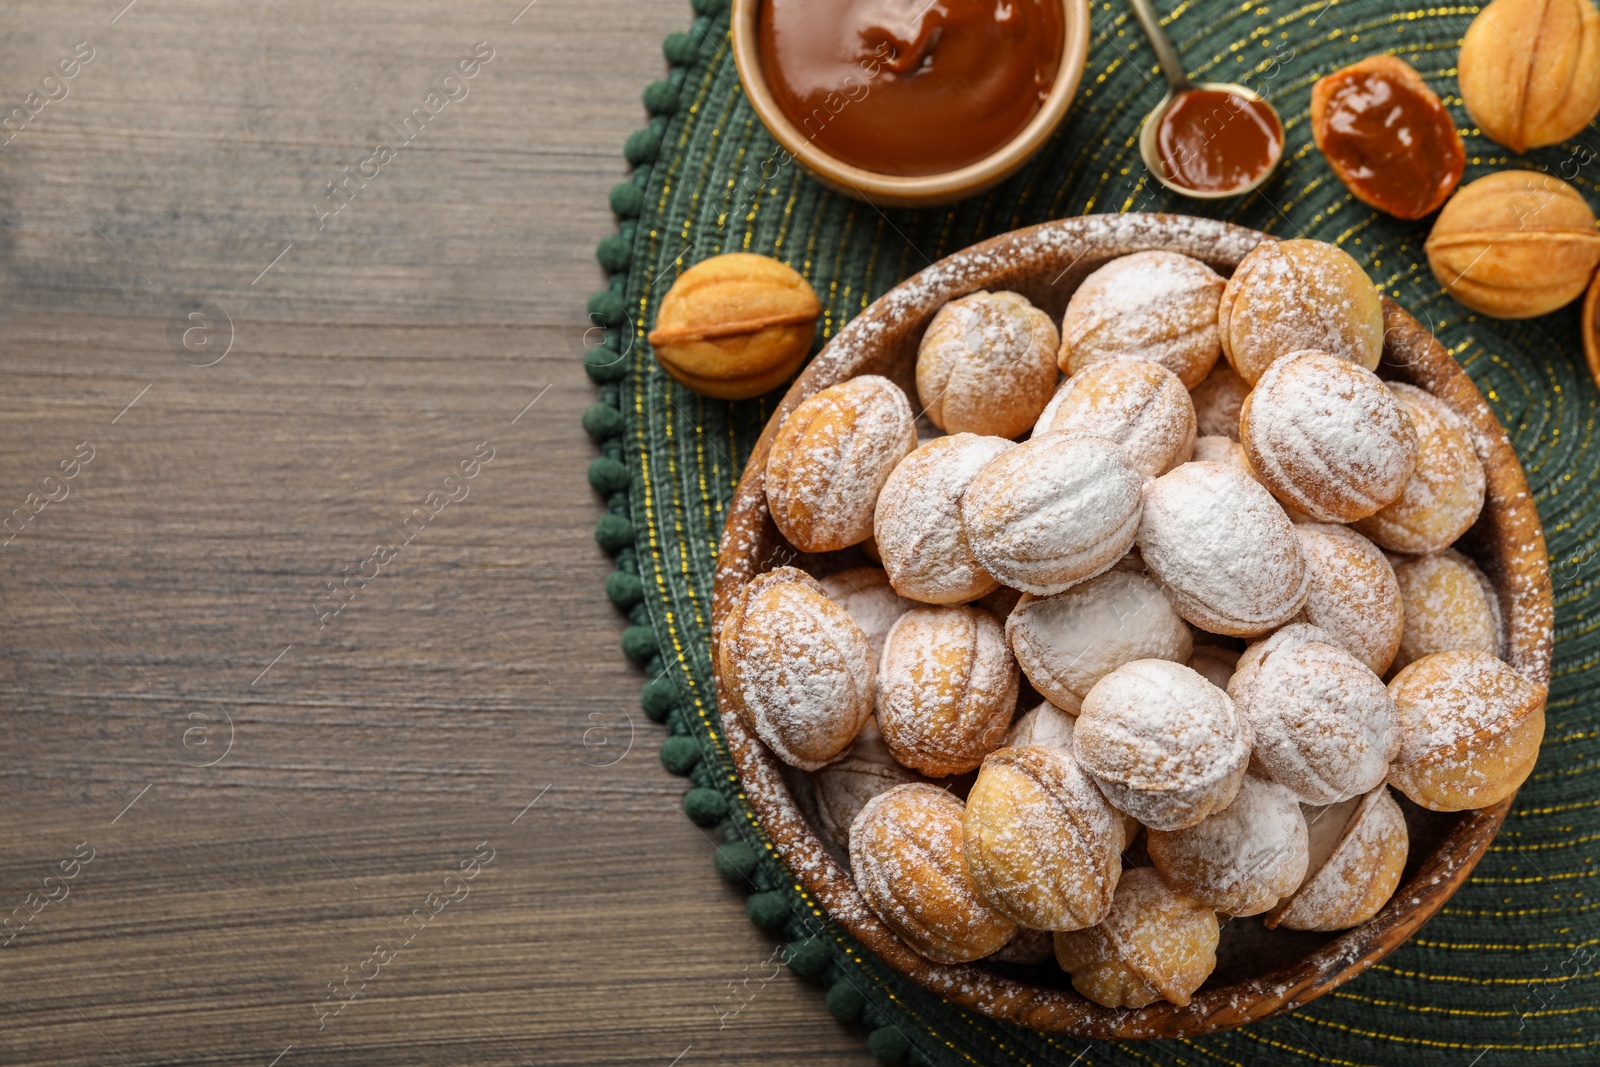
(173, 599)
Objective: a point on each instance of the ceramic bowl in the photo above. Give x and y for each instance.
(890, 190)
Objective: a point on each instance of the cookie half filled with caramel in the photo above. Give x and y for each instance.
(1387, 136)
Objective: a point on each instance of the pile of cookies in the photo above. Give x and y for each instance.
(1217, 536)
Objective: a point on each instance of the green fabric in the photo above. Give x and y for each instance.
(1506, 973)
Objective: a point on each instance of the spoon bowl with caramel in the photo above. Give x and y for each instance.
(1207, 140)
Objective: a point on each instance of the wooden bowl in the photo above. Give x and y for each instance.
(1257, 976)
(1591, 328)
(893, 190)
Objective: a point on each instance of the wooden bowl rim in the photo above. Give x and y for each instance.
(1590, 320)
(1519, 569)
(922, 190)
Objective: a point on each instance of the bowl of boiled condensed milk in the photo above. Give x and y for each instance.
(907, 103)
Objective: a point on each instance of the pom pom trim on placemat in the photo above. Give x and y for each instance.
(746, 859)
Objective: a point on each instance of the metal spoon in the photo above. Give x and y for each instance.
(1178, 83)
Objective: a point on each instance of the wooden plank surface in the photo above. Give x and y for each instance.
(268, 789)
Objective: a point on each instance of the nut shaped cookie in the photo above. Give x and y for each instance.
(918, 529)
(987, 364)
(1165, 745)
(1156, 944)
(1067, 642)
(866, 594)
(1470, 728)
(1514, 244)
(909, 861)
(1449, 606)
(1053, 511)
(841, 789)
(1217, 401)
(1327, 437)
(1052, 726)
(735, 326)
(947, 688)
(1223, 549)
(797, 669)
(1324, 725)
(1243, 859)
(830, 459)
(1442, 498)
(1529, 70)
(1043, 846)
(1358, 852)
(1354, 596)
(1140, 405)
(1046, 724)
(1159, 306)
(1287, 296)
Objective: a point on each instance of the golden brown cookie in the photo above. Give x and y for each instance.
(1289, 296)
(1470, 728)
(1140, 405)
(1327, 437)
(1067, 642)
(1052, 511)
(1243, 859)
(1354, 596)
(1324, 724)
(947, 688)
(1223, 549)
(797, 669)
(909, 860)
(1052, 727)
(1158, 305)
(1514, 244)
(1156, 944)
(1529, 70)
(918, 529)
(1043, 846)
(1165, 745)
(1358, 852)
(1442, 498)
(735, 326)
(830, 458)
(986, 364)
(1449, 606)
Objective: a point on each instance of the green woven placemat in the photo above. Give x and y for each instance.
(1508, 969)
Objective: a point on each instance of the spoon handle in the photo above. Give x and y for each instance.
(1161, 44)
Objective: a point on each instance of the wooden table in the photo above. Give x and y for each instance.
(250, 393)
